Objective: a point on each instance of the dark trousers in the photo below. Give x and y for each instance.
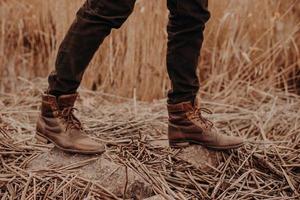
(95, 20)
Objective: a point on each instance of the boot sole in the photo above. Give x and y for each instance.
(186, 143)
(45, 140)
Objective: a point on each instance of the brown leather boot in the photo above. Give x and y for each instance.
(188, 126)
(58, 124)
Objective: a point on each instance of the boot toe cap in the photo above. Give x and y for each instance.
(230, 142)
(88, 145)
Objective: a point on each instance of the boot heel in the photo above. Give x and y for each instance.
(178, 144)
(41, 139)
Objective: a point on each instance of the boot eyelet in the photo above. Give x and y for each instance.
(56, 113)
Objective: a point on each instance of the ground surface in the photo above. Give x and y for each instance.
(139, 164)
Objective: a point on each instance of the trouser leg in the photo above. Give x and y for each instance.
(93, 23)
(185, 36)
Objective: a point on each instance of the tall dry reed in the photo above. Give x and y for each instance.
(251, 41)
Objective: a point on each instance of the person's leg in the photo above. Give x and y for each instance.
(187, 20)
(57, 122)
(186, 123)
(94, 21)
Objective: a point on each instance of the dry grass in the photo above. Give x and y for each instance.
(266, 168)
(251, 48)
(251, 40)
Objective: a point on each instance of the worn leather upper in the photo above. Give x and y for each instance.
(186, 123)
(58, 124)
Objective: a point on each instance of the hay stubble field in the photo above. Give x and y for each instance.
(249, 75)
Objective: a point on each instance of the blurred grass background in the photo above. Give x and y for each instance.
(254, 42)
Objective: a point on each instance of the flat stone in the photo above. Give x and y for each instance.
(100, 169)
(199, 156)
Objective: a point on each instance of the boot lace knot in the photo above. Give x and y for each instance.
(68, 115)
(197, 115)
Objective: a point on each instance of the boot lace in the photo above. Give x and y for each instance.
(68, 115)
(197, 115)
